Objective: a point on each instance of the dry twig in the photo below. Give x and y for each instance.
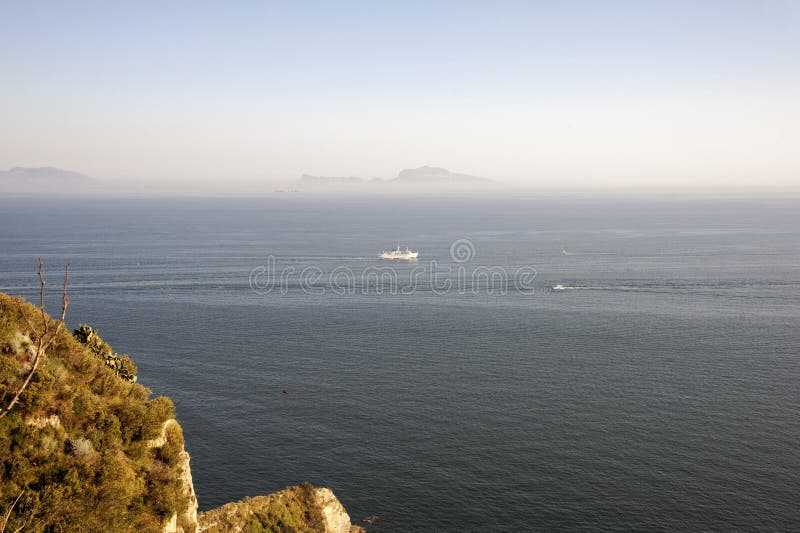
(8, 514)
(44, 339)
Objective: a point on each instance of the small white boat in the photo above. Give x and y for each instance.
(398, 254)
(559, 287)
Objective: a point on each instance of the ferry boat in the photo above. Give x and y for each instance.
(398, 254)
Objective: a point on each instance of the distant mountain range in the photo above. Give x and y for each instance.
(413, 176)
(428, 174)
(46, 180)
(56, 181)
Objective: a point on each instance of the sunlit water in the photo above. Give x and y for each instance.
(661, 392)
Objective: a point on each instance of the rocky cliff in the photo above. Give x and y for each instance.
(84, 447)
(300, 509)
(181, 520)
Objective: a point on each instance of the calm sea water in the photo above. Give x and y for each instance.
(661, 393)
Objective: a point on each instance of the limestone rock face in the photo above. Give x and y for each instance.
(336, 518)
(185, 521)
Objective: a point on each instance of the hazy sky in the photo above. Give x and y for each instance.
(543, 94)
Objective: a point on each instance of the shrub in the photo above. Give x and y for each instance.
(91, 469)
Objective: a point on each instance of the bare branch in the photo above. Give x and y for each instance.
(42, 283)
(64, 299)
(8, 514)
(36, 361)
(64, 305)
(43, 343)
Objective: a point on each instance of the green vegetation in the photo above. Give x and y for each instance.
(293, 510)
(74, 453)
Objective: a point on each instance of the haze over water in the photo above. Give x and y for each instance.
(183, 97)
(660, 394)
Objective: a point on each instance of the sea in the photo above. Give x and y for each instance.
(660, 390)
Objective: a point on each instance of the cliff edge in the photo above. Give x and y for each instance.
(300, 509)
(84, 447)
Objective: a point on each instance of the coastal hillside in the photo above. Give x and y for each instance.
(85, 447)
(45, 180)
(428, 174)
(300, 509)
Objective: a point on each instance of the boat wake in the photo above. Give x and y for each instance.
(560, 287)
(324, 258)
(769, 289)
(565, 252)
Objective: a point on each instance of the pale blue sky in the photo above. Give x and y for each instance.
(579, 93)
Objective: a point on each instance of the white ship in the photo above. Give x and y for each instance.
(397, 253)
(559, 287)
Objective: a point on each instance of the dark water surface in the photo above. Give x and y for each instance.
(662, 392)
